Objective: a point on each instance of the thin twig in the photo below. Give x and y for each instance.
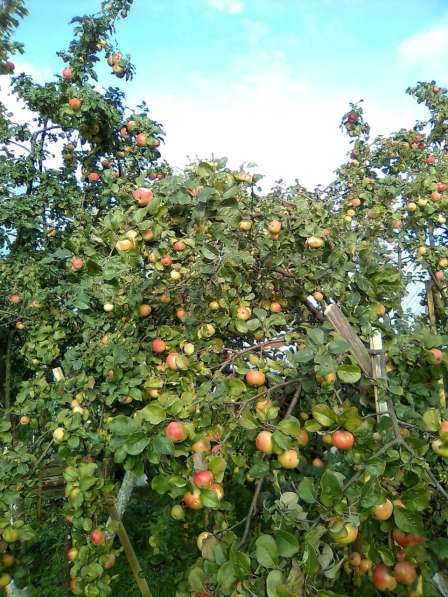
(251, 512)
(294, 401)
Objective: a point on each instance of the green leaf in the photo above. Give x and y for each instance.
(416, 497)
(273, 580)
(310, 561)
(431, 419)
(241, 564)
(408, 521)
(323, 415)
(287, 544)
(290, 426)
(153, 413)
(338, 346)
(331, 489)
(226, 578)
(349, 373)
(303, 356)
(197, 579)
(307, 490)
(217, 465)
(316, 335)
(266, 551)
(372, 494)
(136, 444)
(259, 470)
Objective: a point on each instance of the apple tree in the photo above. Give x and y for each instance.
(177, 324)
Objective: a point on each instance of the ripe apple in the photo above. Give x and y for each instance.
(141, 139)
(330, 377)
(203, 479)
(382, 578)
(113, 59)
(142, 196)
(67, 73)
(289, 459)
(72, 554)
(108, 307)
(144, 310)
(171, 360)
(58, 434)
(175, 431)
(20, 325)
(245, 225)
(202, 537)
(263, 442)
(274, 227)
(74, 103)
(177, 512)
(213, 306)
(5, 579)
(124, 245)
(179, 245)
(412, 206)
(405, 573)
(380, 310)
(318, 296)
(193, 500)
(383, 511)
(181, 313)
(365, 565)
(440, 448)
(175, 275)
(243, 313)
(131, 125)
(317, 463)
(405, 539)
(396, 224)
(10, 66)
(443, 431)
(153, 392)
(10, 535)
(355, 202)
(431, 160)
(24, 420)
(314, 242)
(275, 307)
(8, 560)
(435, 196)
(303, 438)
(255, 377)
(166, 260)
(350, 536)
(98, 537)
(76, 263)
(148, 235)
(443, 263)
(343, 440)
(218, 489)
(110, 561)
(437, 354)
(15, 299)
(201, 445)
(422, 251)
(354, 559)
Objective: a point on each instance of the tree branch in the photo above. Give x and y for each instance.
(251, 512)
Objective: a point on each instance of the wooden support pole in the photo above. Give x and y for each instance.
(341, 324)
(130, 554)
(378, 370)
(433, 320)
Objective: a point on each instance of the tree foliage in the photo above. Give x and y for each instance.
(186, 311)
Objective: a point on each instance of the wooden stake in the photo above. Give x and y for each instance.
(130, 554)
(433, 320)
(344, 329)
(378, 370)
(58, 374)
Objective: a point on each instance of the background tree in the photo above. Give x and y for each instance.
(187, 313)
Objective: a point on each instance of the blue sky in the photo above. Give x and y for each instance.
(263, 80)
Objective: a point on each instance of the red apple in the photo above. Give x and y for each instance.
(175, 431)
(15, 299)
(203, 479)
(74, 103)
(254, 377)
(218, 489)
(77, 263)
(179, 246)
(171, 360)
(141, 139)
(382, 578)
(263, 442)
(142, 196)
(405, 573)
(93, 177)
(166, 260)
(437, 354)
(72, 554)
(193, 500)
(98, 537)
(67, 73)
(110, 561)
(343, 440)
(441, 187)
(158, 345)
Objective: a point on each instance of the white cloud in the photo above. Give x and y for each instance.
(230, 6)
(428, 45)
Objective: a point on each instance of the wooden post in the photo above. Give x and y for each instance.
(344, 329)
(130, 553)
(58, 374)
(433, 320)
(378, 369)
